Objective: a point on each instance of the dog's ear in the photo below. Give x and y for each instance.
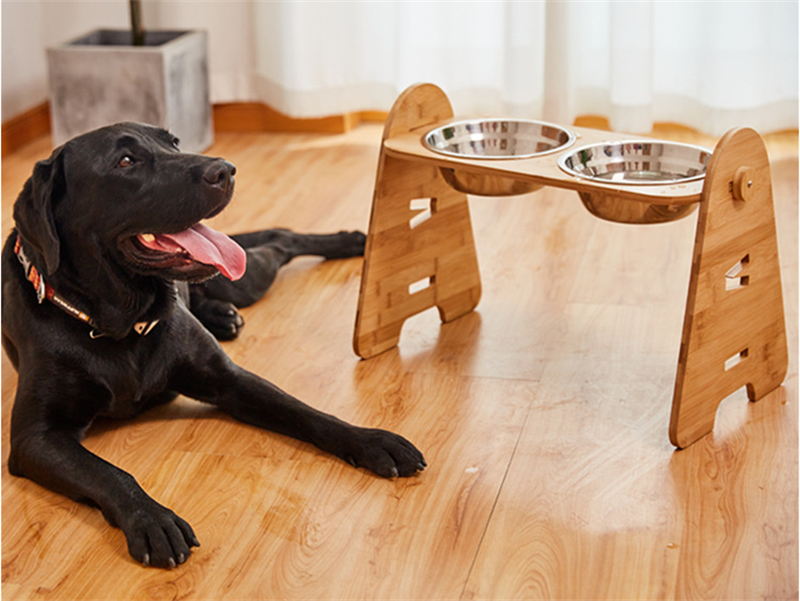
(33, 211)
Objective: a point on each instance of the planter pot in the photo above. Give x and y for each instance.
(101, 78)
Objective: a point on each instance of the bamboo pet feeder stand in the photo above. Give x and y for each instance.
(420, 249)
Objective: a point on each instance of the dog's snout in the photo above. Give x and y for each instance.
(219, 173)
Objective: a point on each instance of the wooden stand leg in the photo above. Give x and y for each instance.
(420, 249)
(734, 332)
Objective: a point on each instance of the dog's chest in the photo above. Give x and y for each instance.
(132, 384)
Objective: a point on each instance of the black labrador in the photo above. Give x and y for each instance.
(108, 309)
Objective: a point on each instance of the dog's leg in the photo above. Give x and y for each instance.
(267, 251)
(46, 426)
(215, 379)
(341, 245)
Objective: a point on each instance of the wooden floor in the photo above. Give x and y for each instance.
(543, 417)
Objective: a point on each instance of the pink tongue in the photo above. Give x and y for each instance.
(212, 248)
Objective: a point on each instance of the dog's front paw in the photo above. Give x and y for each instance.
(158, 537)
(384, 453)
(220, 318)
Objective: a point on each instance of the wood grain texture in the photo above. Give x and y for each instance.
(545, 170)
(420, 233)
(541, 414)
(733, 335)
(24, 128)
(734, 330)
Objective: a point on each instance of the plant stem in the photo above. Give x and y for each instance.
(136, 22)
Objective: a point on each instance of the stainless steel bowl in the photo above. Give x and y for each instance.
(495, 139)
(636, 163)
(498, 139)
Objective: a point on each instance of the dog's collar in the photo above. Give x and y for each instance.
(46, 291)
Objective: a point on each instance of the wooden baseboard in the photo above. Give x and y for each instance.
(233, 117)
(26, 127)
(257, 117)
(592, 122)
(251, 117)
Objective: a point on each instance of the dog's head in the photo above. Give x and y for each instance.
(126, 193)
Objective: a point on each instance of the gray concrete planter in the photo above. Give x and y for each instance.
(101, 78)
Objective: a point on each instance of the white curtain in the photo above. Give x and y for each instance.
(711, 65)
(708, 65)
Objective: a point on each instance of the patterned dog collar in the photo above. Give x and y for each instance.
(46, 291)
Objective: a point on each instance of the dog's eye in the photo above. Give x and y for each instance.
(126, 161)
(175, 142)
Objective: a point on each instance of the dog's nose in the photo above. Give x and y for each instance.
(219, 173)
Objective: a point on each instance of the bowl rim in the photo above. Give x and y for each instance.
(571, 137)
(632, 182)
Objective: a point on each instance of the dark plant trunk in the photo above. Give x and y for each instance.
(136, 22)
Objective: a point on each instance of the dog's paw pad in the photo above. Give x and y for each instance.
(386, 454)
(157, 537)
(220, 318)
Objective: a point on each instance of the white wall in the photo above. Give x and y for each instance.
(30, 26)
(26, 33)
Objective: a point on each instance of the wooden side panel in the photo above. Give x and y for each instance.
(734, 333)
(420, 248)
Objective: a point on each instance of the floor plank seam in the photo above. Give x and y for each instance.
(496, 499)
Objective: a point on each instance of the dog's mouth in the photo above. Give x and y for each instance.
(196, 252)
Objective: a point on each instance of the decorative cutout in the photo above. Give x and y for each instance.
(733, 361)
(733, 278)
(421, 285)
(426, 208)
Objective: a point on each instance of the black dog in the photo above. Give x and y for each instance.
(100, 320)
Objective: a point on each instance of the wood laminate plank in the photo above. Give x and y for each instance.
(542, 416)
